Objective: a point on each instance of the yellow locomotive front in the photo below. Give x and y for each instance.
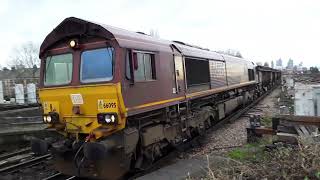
(80, 93)
(92, 106)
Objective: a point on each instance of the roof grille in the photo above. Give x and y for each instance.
(194, 46)
(139, 32)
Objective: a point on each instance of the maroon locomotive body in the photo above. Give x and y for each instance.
(132, 97)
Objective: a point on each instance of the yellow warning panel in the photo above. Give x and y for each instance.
(107, 105)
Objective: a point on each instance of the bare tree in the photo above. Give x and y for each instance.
(25, 55)
(266, 64)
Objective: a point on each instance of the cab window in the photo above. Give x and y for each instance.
(143, 66)
(58, 69)
(97, 65)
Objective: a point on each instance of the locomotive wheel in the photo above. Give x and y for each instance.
(148, 157)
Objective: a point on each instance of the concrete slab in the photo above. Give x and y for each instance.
(307, 99)
(21, 129)
(24, 112)
(194, 167)
(179, 170)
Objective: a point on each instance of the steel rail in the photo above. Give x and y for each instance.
(20, 120)
(8, 155)
(59, 176)
(27, 163)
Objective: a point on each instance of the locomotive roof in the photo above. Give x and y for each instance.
(72, 26)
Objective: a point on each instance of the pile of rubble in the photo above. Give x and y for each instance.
(287, 128)
(307, 78)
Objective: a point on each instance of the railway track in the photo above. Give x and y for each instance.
(8, 155)
(21, 163)
(23, 159)
(20, 121)
(59, 176)
(164, 161)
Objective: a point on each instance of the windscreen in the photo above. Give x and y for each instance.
(58, 69)
(97, 65)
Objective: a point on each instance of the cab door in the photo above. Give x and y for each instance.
(179, 75)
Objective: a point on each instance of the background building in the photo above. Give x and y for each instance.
(14, 76)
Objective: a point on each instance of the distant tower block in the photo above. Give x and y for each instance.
(31, 91)
(1, 93)
(19, 93)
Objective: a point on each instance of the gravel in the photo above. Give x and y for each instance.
(36, 172)
(234, 134)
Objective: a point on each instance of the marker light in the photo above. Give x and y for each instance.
(45, 119)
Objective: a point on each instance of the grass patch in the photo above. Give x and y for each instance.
(250, 152)
(238, 154)
(254, 145)
(266, 121)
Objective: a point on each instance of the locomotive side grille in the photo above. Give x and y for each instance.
(217, 74)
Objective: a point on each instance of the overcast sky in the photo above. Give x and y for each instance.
(261, 30)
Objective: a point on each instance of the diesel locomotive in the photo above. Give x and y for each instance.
(123, 99)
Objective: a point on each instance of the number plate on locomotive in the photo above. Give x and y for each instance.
(109, 105)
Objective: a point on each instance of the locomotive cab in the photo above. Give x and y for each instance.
(80, 91)
(80, 87)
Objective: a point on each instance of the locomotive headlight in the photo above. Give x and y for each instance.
(49, 119)
(72, 43)
(107, 118)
